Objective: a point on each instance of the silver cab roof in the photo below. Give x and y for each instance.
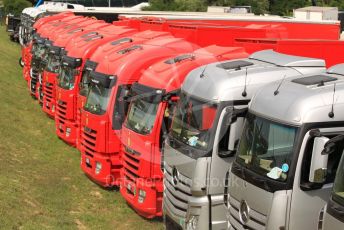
(269, 56)
(225, 81)
(306, 99)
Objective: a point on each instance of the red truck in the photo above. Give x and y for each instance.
(97, 58)
(79, 50)
(105, 108)
(148, 119)
(56, 51)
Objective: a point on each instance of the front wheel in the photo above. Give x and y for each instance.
(21, 62)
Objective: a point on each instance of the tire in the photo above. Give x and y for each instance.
(21, 63)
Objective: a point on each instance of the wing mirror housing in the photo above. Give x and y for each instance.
(319, 160)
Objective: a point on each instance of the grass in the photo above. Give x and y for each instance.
(41, 183)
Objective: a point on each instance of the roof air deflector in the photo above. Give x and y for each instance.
(337, 69)
(237, 65)
(280, 59)
(314, 80)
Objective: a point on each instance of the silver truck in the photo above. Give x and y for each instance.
(286, 164)
(334, 212)
(206, 126)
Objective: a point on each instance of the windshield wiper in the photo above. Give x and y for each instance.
(263, 181)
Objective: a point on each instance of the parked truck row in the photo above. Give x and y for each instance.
(209, 122)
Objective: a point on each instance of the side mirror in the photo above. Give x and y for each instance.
(117, 121)
(233, 138)
(235, 132)
(319, 161)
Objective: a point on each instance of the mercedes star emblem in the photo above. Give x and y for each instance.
(244, 212)
(175, 175)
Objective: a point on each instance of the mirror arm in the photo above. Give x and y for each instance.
(309, 186)
(240, 112)
(225, 154)
(171, 95)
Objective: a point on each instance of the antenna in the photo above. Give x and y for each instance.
(202, 75)
(244, 93)
(331, 114)
(279, 85)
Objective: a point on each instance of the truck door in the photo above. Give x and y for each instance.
(309, 198)
(227, 135)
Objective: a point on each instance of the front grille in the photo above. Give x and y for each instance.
(40, 92)
(48, 90)
(131, 163)
(34, 79)
(88, 140)
(257, 221)
(61, 111)
(177, 195)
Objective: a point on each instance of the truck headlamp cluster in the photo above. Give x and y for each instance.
(142, 196)
(68, 130)
(98, 167)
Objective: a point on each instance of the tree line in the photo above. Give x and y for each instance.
(277, 7)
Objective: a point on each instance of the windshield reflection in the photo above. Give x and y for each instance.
(97, 99)
(66, 77)
(267, 147)
(193, 122)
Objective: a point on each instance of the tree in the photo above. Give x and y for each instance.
(15, 6)
(285, 7)
(177, 5)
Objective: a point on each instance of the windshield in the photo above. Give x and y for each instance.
(97, 99)
(53, 63)
(193, 121)
(66, 77)
(85, 82)
(338, 188)
(141, 115)
(266, 147)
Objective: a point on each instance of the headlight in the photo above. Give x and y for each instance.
(192, 223)
(142, 196)
(53, 108)
(68, 132)
(98, 167)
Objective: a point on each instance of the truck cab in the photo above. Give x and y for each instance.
(54, 60)
(105, 109)
(102, 55)
(285, 165)
(334, 212)
(204, 134)
(148, 120)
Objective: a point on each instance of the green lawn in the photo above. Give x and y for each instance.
(41, 183)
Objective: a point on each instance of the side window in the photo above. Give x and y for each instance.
(332, 165)
(121, 107)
